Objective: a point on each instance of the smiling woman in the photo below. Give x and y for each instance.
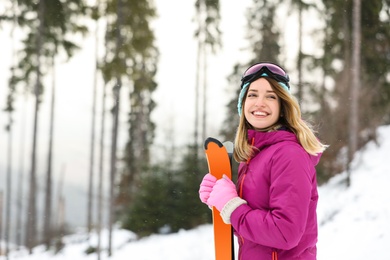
(277, 152)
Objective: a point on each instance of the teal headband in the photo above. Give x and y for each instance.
(245, 87)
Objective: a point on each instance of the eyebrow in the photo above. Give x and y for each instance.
(255, 90)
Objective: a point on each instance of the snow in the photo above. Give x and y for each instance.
(358, 218)
(354, 222)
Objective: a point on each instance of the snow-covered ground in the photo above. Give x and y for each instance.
(354, 223)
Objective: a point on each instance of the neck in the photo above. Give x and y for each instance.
(271, 128)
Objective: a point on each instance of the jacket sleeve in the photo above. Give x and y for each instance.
(283, 223)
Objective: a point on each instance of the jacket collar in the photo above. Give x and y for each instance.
(262, 140)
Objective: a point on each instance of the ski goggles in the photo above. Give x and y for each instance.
(272, 70)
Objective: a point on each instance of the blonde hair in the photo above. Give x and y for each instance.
(291, 118)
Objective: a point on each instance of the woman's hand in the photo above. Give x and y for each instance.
(223, 191)
(206, 186)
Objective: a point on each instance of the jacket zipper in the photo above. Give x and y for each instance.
(241, 188)
(241, 183)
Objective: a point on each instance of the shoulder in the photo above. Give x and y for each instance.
(291, 155)
(287, 142)
(283, 141)
(289, 147)
(290, 152)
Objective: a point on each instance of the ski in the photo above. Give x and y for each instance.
(219, 157)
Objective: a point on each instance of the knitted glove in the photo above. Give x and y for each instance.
(206, 186)
(224, 197)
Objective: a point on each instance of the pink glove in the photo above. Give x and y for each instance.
(206, 186)
(223, 191)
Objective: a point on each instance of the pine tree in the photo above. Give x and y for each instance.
(131, 58)
(47, 24)
(373, 95)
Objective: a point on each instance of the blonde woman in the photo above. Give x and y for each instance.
(273, 206)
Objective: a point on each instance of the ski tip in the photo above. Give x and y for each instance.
(212, 140)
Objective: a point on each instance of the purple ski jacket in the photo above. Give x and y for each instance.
(279, 184)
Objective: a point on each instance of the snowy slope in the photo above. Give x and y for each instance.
(354, 223)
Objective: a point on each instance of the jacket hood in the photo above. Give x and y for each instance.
(261, 140)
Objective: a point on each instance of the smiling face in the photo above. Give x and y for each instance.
(262, 105)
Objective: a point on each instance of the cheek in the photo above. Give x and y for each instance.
(279, 107)
(246, 105)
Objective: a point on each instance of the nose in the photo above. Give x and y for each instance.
(260, 102)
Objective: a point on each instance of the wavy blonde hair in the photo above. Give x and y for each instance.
(291, 118)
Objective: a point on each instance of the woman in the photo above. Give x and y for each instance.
(273, 206)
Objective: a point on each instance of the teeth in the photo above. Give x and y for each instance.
(258, 113)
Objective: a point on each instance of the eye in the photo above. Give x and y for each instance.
(252, 95)
(272, 97)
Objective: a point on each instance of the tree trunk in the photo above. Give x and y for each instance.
(48, 196)
(300, 54)
(204, 117)
(198, 80)
(61, 221)
(1, 219)
(355, 85)
(20, 189)
(60, 216)
(113, 162)
(115, 127)
(32, 213)
(100, 180)
(101, 155)
(8, 188)
(92, 147)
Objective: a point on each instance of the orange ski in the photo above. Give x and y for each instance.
(219, 162)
